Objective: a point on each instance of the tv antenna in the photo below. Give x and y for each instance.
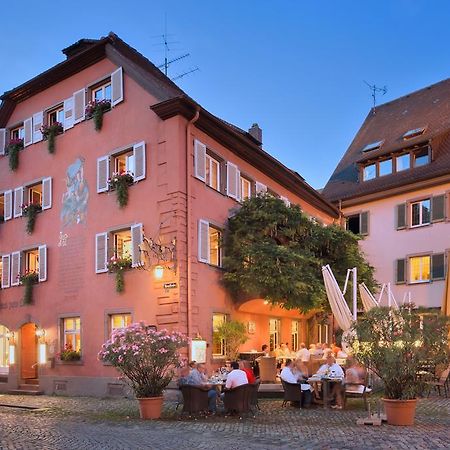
(374, 91)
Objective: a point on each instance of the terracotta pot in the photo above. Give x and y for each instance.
(400, 412)
(150, 407)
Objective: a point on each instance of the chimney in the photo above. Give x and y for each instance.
(256, 133)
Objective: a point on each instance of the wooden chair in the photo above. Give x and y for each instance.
(195, 399)
(292, 393)
(441, 382)
(363, 393)
(268, 369)
(237, 400)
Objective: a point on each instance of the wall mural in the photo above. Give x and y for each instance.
(75, 199)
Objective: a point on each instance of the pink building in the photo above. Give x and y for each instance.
(393, 186)
(189, 169)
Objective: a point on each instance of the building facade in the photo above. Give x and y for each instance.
(392, 186)
(189, 170)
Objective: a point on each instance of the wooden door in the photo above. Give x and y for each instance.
(28, 351)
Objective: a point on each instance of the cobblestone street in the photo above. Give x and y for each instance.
(88, 423)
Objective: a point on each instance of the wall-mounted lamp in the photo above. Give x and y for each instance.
(158, 272)
(40, 332)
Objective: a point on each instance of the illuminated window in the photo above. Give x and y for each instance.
(246, 188)
(122, 243)
(403, 162)
(71, 330)
(420, 213)
(32, 260)
(119, 321)
(369, 172)
(294, 335)
(4, 350)
(274, 333)
(215, 253)
(218, 347)
(55, 115)
(124, 162)
(385, 167)
(102, 91)
(419, 269)
(34, 194)
(212, 172)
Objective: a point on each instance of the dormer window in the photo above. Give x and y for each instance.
(372, 146)
(369, 172)
(421, 157)
(414, 133)
(385, 167)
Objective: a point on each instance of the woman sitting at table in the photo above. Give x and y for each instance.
(246, 367)
(355, 376)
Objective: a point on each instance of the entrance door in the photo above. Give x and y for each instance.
(28, 351)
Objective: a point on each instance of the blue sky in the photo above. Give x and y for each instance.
(295, 67)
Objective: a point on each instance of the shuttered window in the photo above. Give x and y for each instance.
(358, 223)
(6, 271)
(233, 178)
(419, 269)
(438, 208)
(199, 160)
(69, 120)
(209, 244)
(400, 216)
(136, 241)
(18, 202)
(2, 141)
(38, 121)
(28, 131)
(42, 263)
(438, 266)
(102, 173)
(8, 205)
(79, 105)
(400, 271)
(101, 252)
(116, 86)
(46, 193)
(15, 268)
(139, 161)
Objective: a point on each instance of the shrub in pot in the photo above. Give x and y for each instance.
(147, 359)
(234, 333)
(49, 132)
(395, 344)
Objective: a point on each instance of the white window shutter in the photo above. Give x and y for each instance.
(136, 241)
(8, 205)
(203, 241)
(46, 193)
(15, 268)
(6, 271)
(102, 173)
(232, 181)
(199, 160)
(68, 114)
(79, 106)
(2, 141)
(139, 161)
(116, 86)
(18, 201)
(42, 263)
(38, 120)
(27, 132)
(260, 188)
(101, 252)
(285, 201)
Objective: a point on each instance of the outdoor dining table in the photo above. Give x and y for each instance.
(326, 387)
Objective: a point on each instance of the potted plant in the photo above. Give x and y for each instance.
(395, 344)
(234, 333)
(70, 354)
(49, 132)
(96, 109)
(12, 149)
(120, 183)
(28, 279)
(147, 359)
(30, 211)
(118, 265)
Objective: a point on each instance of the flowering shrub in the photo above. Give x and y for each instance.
(28, 279)
(69, 354)
(49, 132)
(118, 265)
(120, 182)
(146, 357)
(13, 148)
(30, 210)
(95, 109)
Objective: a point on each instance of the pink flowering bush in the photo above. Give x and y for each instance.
(146, 357)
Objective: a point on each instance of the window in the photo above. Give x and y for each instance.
(421, 157)
(2, 207)
(117, 321)
(215, 253)
(294, 335)
(102, 91)
(419, 269)
(124, 162)
(274, 333)
(369, 172)
(212, 172)
(246, 188)
(322, 333)
(55, 115)
(373, 146)
(420, 213)
(71, 333)
(4, 350)
(32, 260)
(18, 132)
(34, 194)
(403, 162)
(385, 167)
(414, 133)
(122, 244)
(218, 344)
(358, 223)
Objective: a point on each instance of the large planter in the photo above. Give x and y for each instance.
(150, 407)
(400, 412)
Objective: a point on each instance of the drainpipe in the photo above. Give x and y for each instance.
(188, 222)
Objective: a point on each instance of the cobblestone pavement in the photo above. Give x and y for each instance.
(88, 423)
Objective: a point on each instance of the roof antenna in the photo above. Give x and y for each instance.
(375, 90)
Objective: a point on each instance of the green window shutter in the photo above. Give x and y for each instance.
(400, 216)
(438, 208)
(438, 266)
(364, 223)
(400, 271)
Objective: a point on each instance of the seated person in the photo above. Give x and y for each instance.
(246, 367)
(197, 377)
(332, 370)
(265, 349)
(184, 373)
(292, 374)
(303, 354)
(355, 376)
(319, 350)
(236, 377)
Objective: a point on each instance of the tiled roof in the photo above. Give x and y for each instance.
(428, 107)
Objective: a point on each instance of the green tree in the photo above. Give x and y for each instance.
(276, 252)
(234, 334)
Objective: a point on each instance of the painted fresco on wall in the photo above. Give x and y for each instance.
(75, 199)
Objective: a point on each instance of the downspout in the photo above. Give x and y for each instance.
(188, 223)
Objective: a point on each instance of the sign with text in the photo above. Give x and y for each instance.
(198, 351)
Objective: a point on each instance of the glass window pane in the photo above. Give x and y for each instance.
(108, 92)
(426, 206)
(69, 324)
(369, 172)
(214, 246)
(403, 162)
(426, 266)
(214, 174)
(385, 167)
(98, 94)
(415, 214)
(421, 158)
(60, 116)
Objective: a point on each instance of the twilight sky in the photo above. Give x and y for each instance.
(295, 67)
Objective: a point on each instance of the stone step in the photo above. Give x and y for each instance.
(29, 387)
(25, 392)
(31, 381)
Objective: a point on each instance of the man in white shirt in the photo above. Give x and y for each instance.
(303, 354)
(236, 377)
(289, 376)
(332, 370)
